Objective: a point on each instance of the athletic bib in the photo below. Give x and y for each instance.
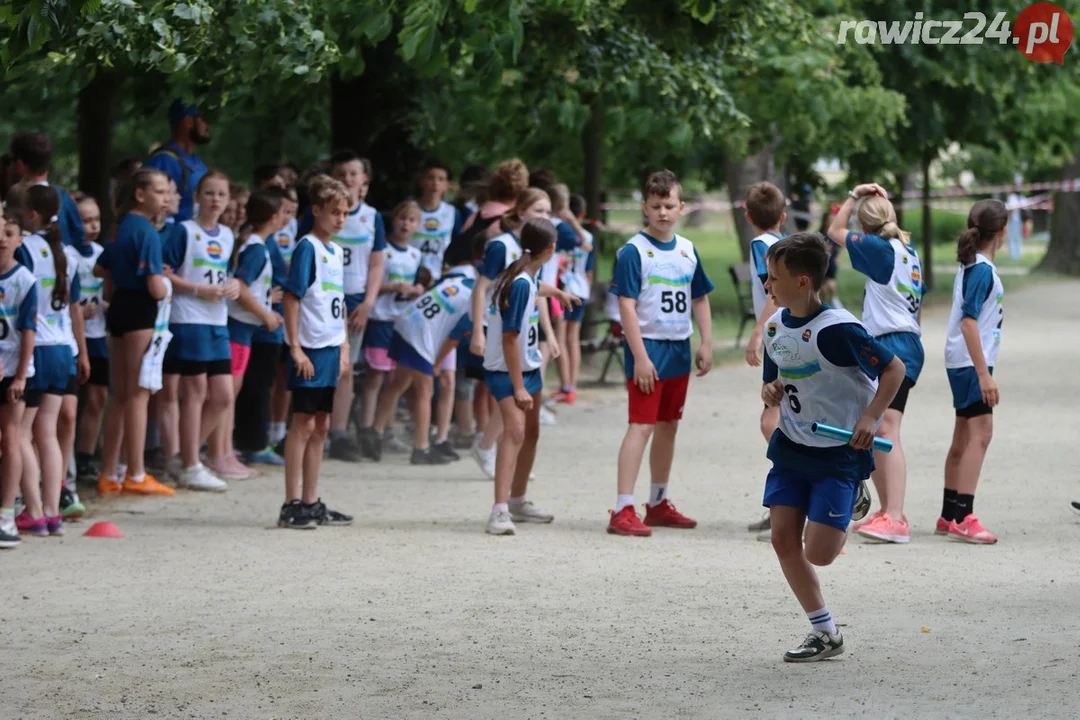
(261, 286)
(991, 315)
(663, 306)
(13, 291)
(427, 321)
(91, 292)
(528, 339)
(53, 318)
(815, 390)
(400, 266)
(894, 307)
(322, 309)
(434, 236)
(206, 261)
(356, 240)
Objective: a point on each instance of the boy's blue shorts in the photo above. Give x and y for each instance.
(826, 500)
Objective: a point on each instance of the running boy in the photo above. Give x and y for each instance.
(661, 284)
(315, 321)
(821, 366)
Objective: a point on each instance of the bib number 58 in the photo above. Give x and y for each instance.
(673, 301)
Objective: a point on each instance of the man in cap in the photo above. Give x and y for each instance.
(177, 158)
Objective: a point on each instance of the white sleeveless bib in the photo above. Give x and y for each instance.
(663, 306)
(991, 315)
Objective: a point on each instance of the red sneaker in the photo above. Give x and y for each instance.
(565, 397)
(626, 522)
(665, 515)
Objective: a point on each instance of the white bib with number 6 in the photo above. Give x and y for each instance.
(663, 305)
(322, 309)
(206, 262)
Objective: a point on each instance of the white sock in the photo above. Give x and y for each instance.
(622, 501)
(822, 620)
(499, 507)
(657, 493)
(277, 432)
(517, 500)
(138, 478)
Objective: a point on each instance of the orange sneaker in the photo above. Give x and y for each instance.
(148, 486)
(566, 397)
(884, 529)
(665, 515)
(626, 522)
(106, 486)
(867, 520)
(971, 531)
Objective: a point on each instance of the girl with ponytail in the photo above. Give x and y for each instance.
(894, 288)
(971, 347)
(512, 372)
(59, 340)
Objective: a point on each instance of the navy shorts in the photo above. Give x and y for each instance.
(499, 385)
(54, 366)
(574, 313)
(826, 500)
(378, 334)
(967, 397)
(405, 355)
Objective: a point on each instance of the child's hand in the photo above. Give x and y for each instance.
(344, 365)
(478, 344)
(90, 310)
(523, 399)
(553, 346)
(753, 349)
(16, 389)
(83, 368)
(415, 291)
(870, 189)
(358, 318)
(303, 365)
(772, 393)
(273, 322)
(989, 389)
(567, 299)
(276, 293)
(167, 270)
(862, 437)
(231, 289)
(645, 376)
(703, 360)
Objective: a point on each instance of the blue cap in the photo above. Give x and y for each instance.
(180, 110)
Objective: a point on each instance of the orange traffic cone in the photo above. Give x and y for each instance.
(103, 530)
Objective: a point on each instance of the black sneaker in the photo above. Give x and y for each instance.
(461, 441)
(86, 470)
(818, 645)
(370, 443)
(325, 516)
(295, 516)
(862, 502)
(9, 541)
(427, 457)
(70, 507)
(445, 450)
(1075, 506)
(344, 448)
(280, 447)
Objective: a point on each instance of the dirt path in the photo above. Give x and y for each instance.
(205, 610)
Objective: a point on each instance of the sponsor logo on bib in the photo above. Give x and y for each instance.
(431, 224)
(806, 335)
(213, 249)
(772, 329)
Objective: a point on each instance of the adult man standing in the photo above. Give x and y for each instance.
(32, 152)
(177, 158)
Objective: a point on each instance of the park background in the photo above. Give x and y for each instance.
(724, 93)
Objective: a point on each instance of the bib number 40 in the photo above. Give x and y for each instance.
(673, 301)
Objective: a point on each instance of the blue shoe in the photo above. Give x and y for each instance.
(264, 457)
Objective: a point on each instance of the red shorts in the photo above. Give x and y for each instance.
(664, 404)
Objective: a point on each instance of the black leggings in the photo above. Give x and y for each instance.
(253, 402)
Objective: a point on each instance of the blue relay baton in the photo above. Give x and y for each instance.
(880, 444)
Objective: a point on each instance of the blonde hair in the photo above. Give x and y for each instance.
(877, 217)
(560, 197)
(325, 189)
(525, 200)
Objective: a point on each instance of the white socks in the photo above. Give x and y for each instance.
(622, 501)
(822, 620)
(657, 493)
(499, 507)
(277, 432)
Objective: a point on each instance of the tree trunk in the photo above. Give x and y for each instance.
(369, 115)
(1063, 252)
(592, 143)
(740, 175)
(95, 124)
(927, 228)
(909, 188)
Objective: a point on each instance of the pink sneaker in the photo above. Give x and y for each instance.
(971, 531)
(236, 464)
(942, 526)
(855, 527)
(884, 529)
(221, 467)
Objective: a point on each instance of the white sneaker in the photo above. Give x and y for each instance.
(765, 536)
(527, 511)
(198, 477)
(485, 459)
(391, 443)
(500, 523)
(174, 468)
(546, 416)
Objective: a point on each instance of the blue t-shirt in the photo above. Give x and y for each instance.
(843, 345)
(565, 238)
(494, 261)
(871, 255)
(26, 316)
(516, 313)
(975, 288)
(71, 227)
(134, 254)
(670, 357)
(462, 332)
(168, 160)
(251, 262)
(279, 277)
(759, 251)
